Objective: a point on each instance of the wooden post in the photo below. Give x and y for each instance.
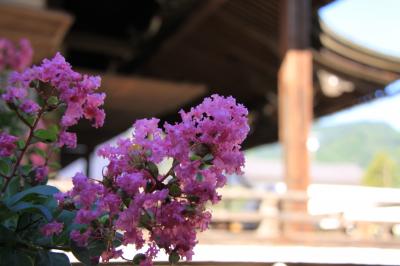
(295, 116)
(295, 90)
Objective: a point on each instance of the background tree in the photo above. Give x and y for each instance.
(382, 172)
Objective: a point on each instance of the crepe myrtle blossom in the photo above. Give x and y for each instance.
(41, 173)
(15, 56)
(52, 228)
(7, 144)
(57, 84)
(138, 205)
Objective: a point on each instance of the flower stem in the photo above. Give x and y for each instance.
(23, 151)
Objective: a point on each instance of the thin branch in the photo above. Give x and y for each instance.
(22, 118)
(24, 149)
(4, 176)
(28, 225)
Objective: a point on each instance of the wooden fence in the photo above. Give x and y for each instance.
(337, 215)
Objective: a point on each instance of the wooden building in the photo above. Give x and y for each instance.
(157, 57)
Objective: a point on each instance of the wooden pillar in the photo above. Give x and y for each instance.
(295, 90)
(295, 116)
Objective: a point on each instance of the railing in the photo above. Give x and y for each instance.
(337, 215)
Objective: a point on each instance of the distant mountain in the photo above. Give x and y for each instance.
(353, 142)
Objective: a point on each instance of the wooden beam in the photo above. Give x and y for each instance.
(206, 9)
(147, 96)
(351, 70)
(45, 29)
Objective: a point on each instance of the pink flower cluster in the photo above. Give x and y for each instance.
(52, 228)
(7, 144)
(55, 79)
(15, 57)
(161, 210)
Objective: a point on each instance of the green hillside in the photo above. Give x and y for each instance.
(355, 142)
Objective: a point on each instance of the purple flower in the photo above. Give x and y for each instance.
(15, 57)
(29, 107)
(14, 93)
(131, 182)
(85, 192)
(92, 111)
(67, 138)
(110, 203)
(41, 173)
(81, 239)
(107, 255)
(52, 228)
(7, 144)
(85, 216)
(150, 137)
(76, 91)
(161, 210)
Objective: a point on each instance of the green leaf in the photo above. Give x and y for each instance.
(173, 257)
(96, 248)
(49, 258)
(189, 209)
(104, 219)
(118, 239)
(52, 100)
(174, 190)
(25, 224)
(146, 219)
(34, 208)
(208, 157)
(193, 198)
(195, 157)
(85, 254)
(46, 135)
(12, 187)
(7, 236)
(44, 190)
(138, 258)
(81, 253)
(55, 165)
(12, 256)
(31, 120)
(20, 144)
(4, 212)
(66, 216)
(153, 169)
(11, 222)
(5, 167)
(54, 129)
(26, 169)
(205, 166)
(40, 152)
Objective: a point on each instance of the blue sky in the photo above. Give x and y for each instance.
(374, 24)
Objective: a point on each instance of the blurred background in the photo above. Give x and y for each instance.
(319, 78)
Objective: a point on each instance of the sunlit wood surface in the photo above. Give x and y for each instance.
(45, 29)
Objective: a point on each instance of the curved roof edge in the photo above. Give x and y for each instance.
(360, 48)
